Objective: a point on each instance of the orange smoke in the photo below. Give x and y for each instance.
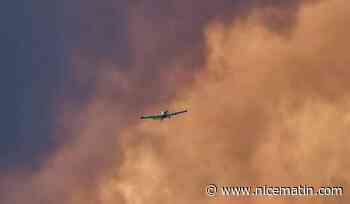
(266, 110)
(268, 104)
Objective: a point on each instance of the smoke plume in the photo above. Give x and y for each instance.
(265, 83)
(267, 109)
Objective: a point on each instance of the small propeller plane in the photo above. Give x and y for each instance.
(162, 115)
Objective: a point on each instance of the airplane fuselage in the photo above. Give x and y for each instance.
(164, 114)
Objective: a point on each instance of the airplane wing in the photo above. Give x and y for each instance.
(176, 113)
(150, 117)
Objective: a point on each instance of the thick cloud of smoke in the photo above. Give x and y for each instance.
(266, 110)
(266, 85)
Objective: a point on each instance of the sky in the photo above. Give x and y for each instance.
(32, 71)
(265, 82)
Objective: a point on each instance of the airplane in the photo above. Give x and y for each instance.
(162, 115)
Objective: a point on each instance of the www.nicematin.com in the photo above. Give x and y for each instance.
(213, 190)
